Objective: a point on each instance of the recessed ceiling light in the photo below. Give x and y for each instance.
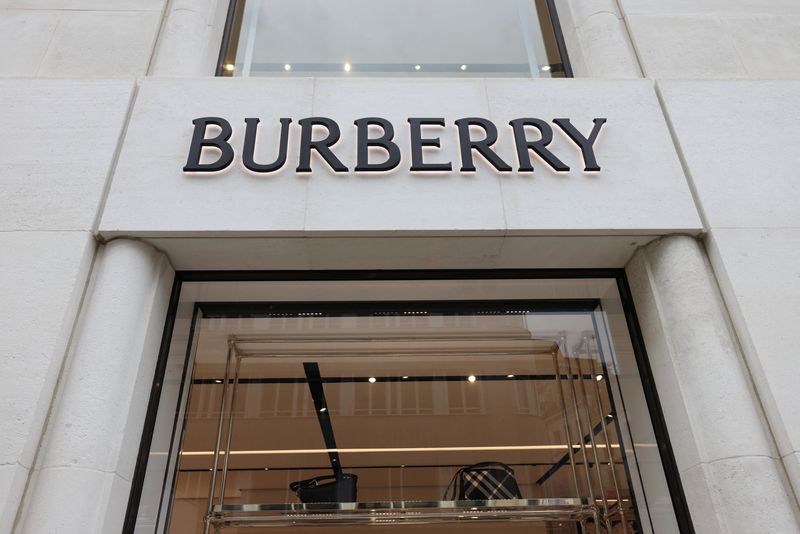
(347, 67)
(405, 377)
(417, 67)
(372, 380)
(471, 378)
(218, 381)
(323, 409)
(546, 68)
(463, 67)
(229, 66)
(509, 376)
(287, 67)
(598, 378)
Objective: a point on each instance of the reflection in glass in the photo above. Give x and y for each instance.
(403, 399)
(419, 38)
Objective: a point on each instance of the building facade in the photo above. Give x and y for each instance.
(561, 235)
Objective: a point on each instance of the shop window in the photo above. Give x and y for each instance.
(516, 402)
(412, 38)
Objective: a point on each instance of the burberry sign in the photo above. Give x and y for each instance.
(377, 149)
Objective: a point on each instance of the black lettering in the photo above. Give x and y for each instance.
(524, 145)
(418, 143)
(248, 155)
(483, 146)
(384, 142)
(220, 142)
(585, 144)
(322, 146)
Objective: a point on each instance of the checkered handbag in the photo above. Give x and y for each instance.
(483, 482)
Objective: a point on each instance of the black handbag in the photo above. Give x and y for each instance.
(338, 489)
(483, 482)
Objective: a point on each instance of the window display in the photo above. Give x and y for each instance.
(431, 415)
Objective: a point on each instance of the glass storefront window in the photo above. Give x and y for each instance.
(474, 38)
(426, 405)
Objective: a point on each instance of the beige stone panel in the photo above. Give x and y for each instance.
(86, 5)
(101, 44)
(768, 44)
(59, 140)
(685, 46)
(759, 274)
(42, 279)
(24, 39)
(737, 139)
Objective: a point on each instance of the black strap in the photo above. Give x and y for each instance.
(453, 484)
(294, 486)
(488, 464)
(323, 415)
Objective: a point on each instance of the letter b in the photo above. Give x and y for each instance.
(220, 142)
(385, 142)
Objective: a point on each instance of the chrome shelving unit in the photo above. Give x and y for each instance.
(408, 512)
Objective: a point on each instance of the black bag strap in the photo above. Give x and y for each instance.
(323, 415)
(481, 465)
(294, 486)
(451, 485)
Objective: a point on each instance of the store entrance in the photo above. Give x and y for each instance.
(424, 416)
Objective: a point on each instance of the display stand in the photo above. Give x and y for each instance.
(596, 513)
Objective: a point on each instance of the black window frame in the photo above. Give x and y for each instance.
(551, 11)
(674, 483)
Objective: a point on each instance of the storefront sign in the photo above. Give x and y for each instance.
(419, 141)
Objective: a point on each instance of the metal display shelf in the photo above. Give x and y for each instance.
(387, 512)
(570, 375)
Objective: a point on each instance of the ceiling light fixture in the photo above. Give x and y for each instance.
(598, 378)
(471, 378)
(347, 67)
(417, 67)
(463, 67)
(229, 67)
(372, 380)
(546, 68)
(287, 67)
